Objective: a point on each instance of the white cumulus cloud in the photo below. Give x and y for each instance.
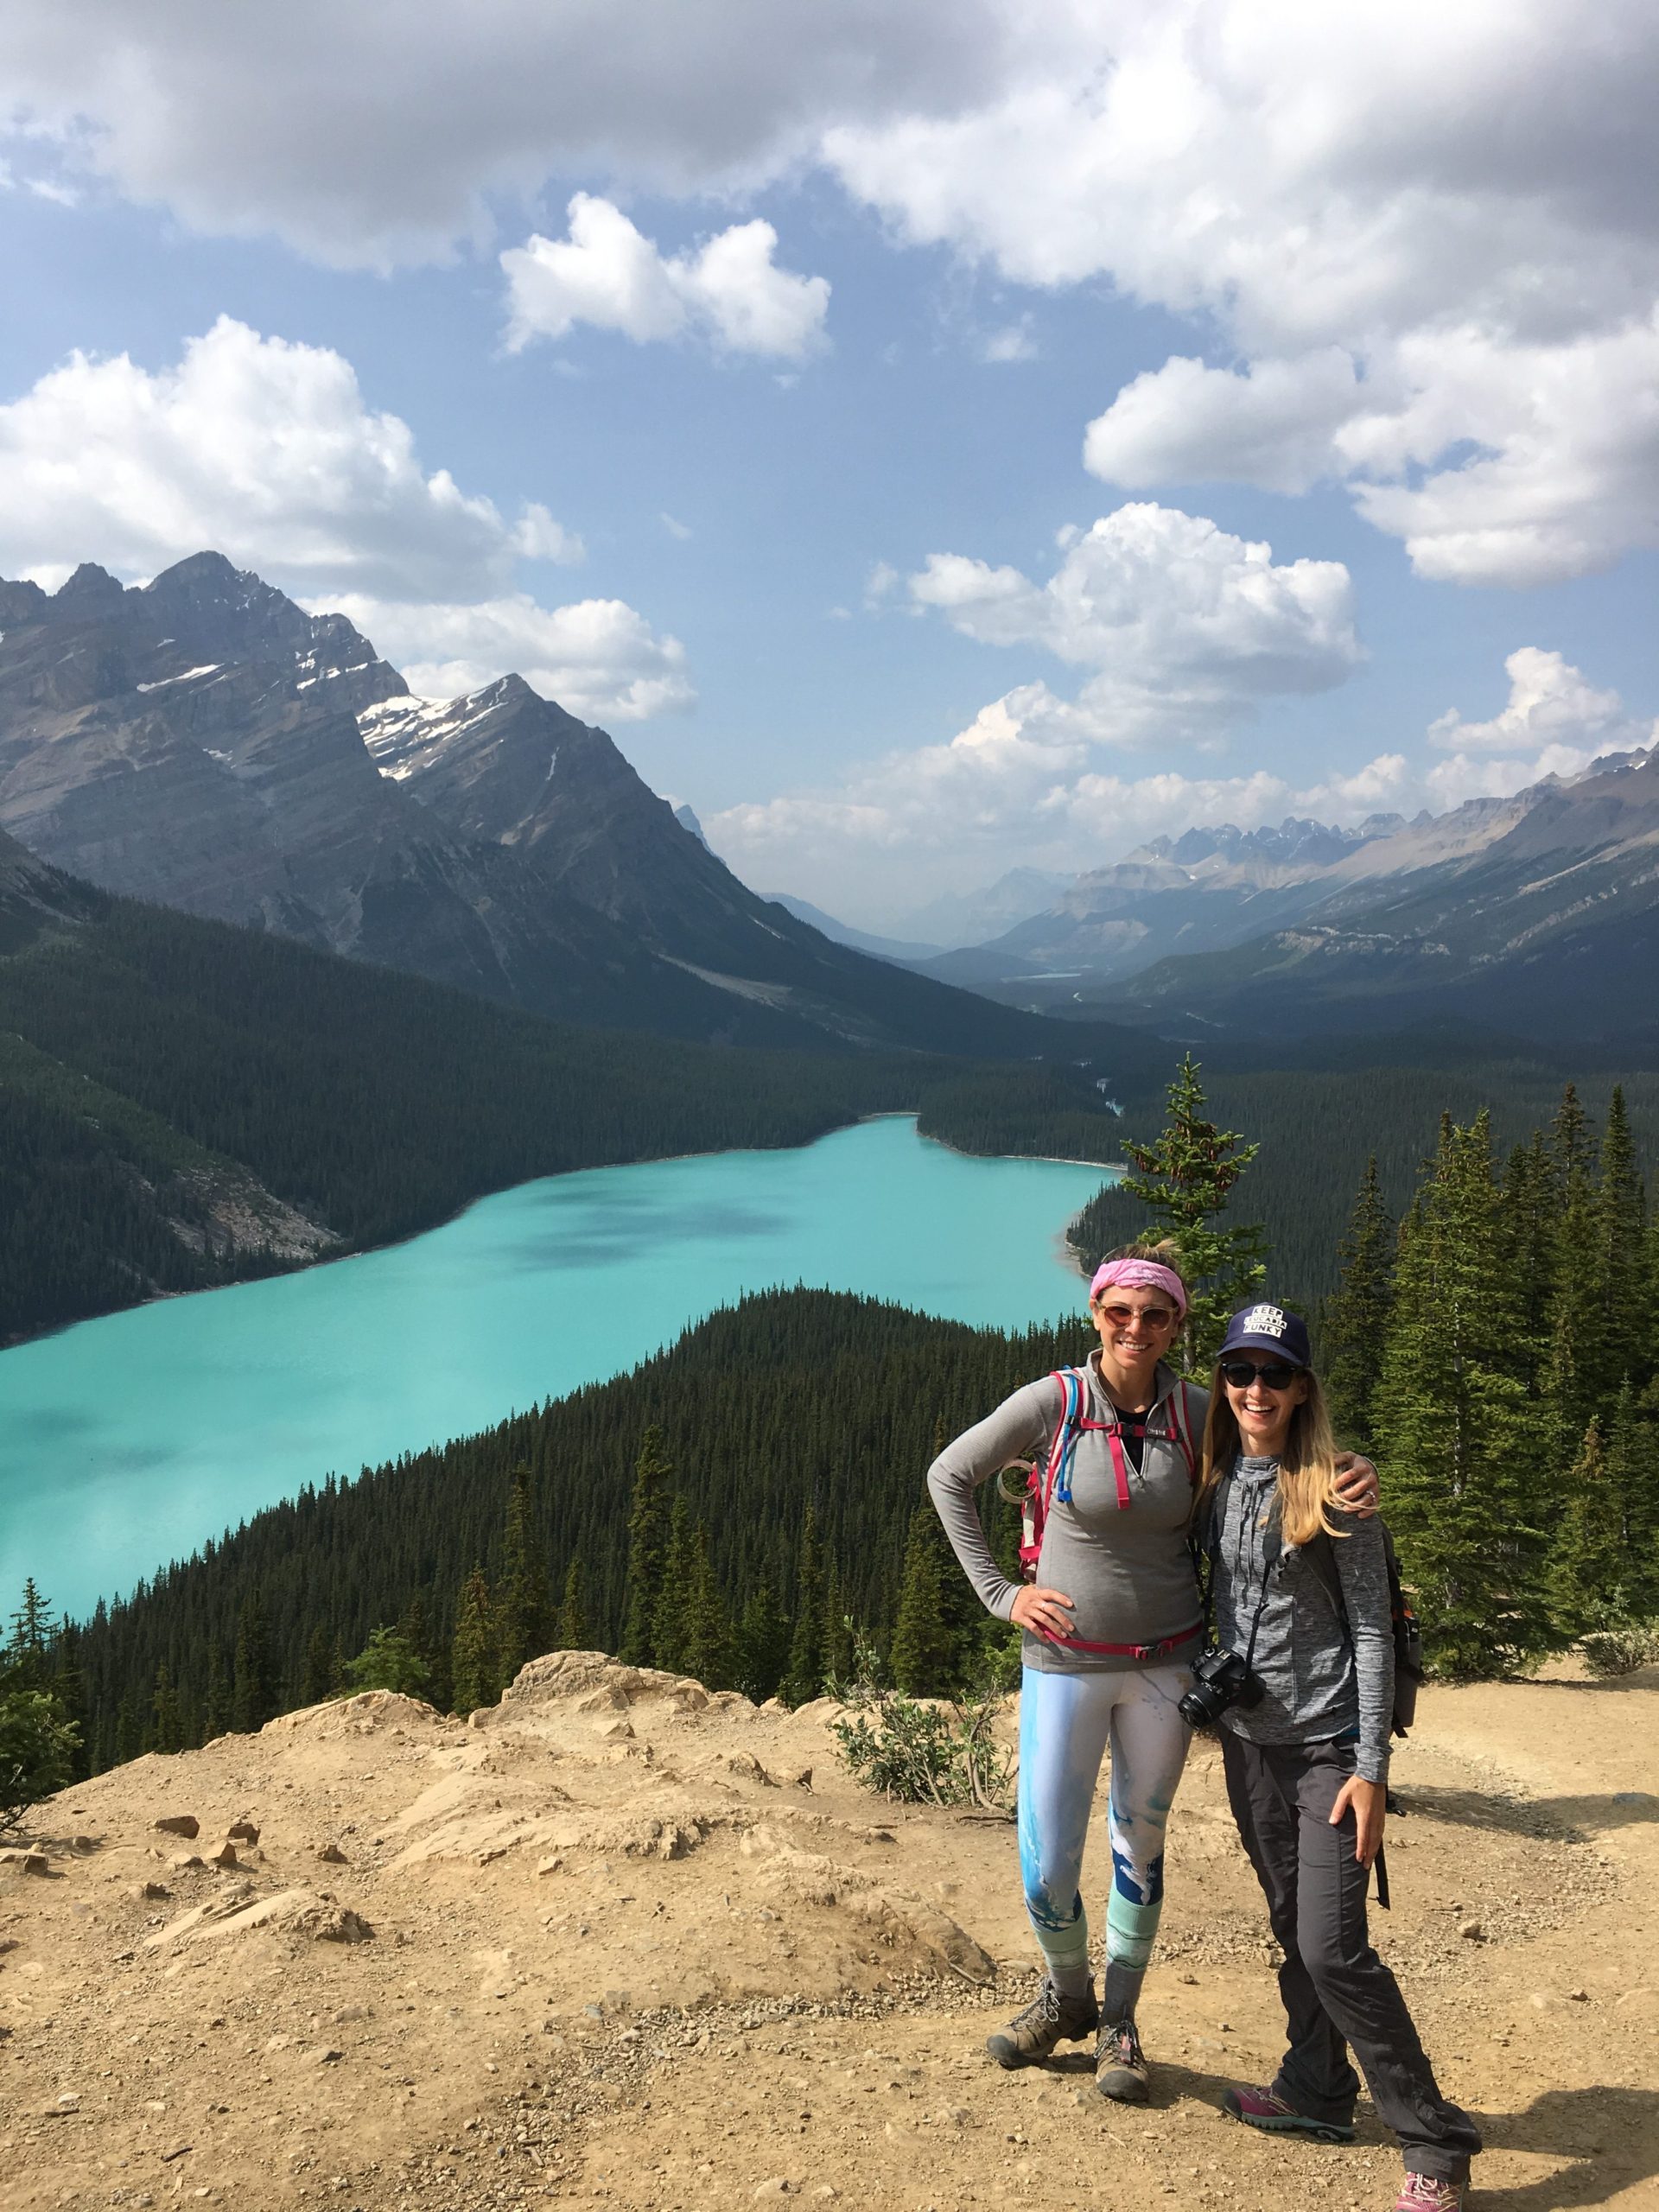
(1555, 722)
(607, 273)
(1185, 626)
(263, 449)
(600, 659)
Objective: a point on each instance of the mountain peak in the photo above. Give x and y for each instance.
(89, 588)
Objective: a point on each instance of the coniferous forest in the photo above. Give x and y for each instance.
(745, 1505)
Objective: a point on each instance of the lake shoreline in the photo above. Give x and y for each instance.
(184, 1415)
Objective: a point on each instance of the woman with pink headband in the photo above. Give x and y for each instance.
(1111, 1620)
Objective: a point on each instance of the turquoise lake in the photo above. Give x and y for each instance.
(128, 1441)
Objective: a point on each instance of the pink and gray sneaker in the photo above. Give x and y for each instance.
(1266, 2109)
(1427, 2193)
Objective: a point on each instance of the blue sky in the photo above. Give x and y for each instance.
(786, 513)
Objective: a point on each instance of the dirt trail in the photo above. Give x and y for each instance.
(617, 1942)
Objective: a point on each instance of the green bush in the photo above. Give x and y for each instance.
(37, 1749)
(933, 1753)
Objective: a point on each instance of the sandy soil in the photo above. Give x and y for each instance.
(616, 1941)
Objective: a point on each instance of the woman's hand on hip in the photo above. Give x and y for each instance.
(1370, 1802)
(1356, 1484)
(1044, 1612)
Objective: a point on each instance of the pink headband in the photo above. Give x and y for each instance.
(1139, 1275)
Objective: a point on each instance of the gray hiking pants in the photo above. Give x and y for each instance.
(1337, 1991)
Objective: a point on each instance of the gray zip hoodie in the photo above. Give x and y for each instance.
(1324, 1649)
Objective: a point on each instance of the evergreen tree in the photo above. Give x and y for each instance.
(836, 1640)
(1356, 1319)
(1572, 1359)
(28, 1648)
(671, 1626)
(68, 1691)
(475, 1672)
(1633, 1478)
(1621, 1254)
(1587, 1559)
(216, 1707)
(317, 1678)
(523, 1611)
(924, 1661)
(1457, 1437)
(762, 1641)
(648, 1518)
(803, 1679)
(710, 1654)
(571, 1631)
(1185, 1179)
(254, 1697)
(1530, 1235)
(389, 1661)
(166, 1720)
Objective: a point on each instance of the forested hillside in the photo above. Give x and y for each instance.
(1317, 1125)
(184, 1103)
(794, 1429)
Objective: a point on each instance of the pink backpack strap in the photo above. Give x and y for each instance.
(1183, 1431)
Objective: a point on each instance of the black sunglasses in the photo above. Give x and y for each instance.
(1277, 1374)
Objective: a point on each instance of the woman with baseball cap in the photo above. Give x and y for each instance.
(1111, 1622)
(1300, 1599)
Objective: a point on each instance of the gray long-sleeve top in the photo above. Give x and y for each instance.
(1127, 1569)
(1325, 1649)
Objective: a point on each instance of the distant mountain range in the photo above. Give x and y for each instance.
(203, 743)
(1543, 906)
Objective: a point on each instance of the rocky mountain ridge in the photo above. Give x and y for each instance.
(1167, 933)
(202, 742)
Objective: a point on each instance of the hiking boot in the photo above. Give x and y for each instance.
(1049, 2018)
(1266, 2109)
(1425, 2193)
(1121, 2071)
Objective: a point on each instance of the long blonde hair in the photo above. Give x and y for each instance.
(1307, 1466)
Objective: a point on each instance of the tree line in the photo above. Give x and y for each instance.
(1497, 1350)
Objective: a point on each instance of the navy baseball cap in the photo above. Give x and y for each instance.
(1267, 1328)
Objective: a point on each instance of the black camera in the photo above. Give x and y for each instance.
(1220, 1679)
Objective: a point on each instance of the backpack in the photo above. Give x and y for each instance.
(1038, 1491)
(1408, 1671)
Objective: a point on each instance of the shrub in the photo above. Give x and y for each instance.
(37, 1749)
(922, 1753)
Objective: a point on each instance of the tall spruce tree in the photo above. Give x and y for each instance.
(1185, 1179)
(924, 1660)
(571, 1632)
(1457, 1437)
(1355, 1324)
(167, 1719)
(29, 1647)
(254, 1682)
(709, 1648)
(524, 1612)
(1586, 1558)
(1621, 1254)
(670, 1627)
(648, 1530)
(762, 1644)
(317, 1682)
(474, 1669)
(1633, 1478)
(804, 1679)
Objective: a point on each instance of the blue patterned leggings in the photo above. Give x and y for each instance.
(1066, 1721)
